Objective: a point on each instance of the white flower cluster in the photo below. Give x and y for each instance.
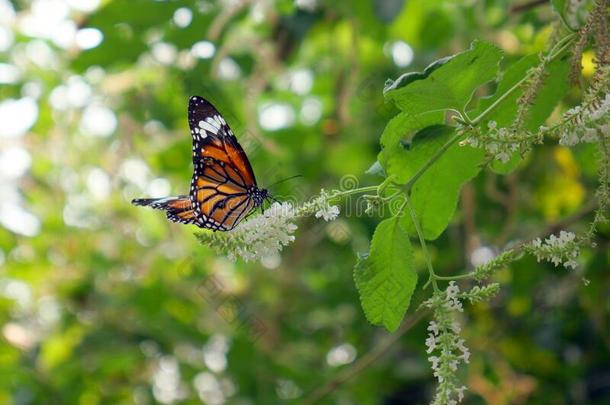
(501, 143)
(321, 207)
(328, 212)
(444, 339)
(256, 238)
(453, 302)
(557, 250)
(585, 124)
(265, 234)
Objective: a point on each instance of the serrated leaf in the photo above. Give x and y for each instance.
(435, 195)
(387, 277)
(410, 77)
(450, 84)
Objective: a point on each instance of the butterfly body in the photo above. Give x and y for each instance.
(223, 187)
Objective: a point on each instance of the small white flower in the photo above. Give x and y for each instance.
(452, 290)
(430, 343)
(571, 263)
(433, 327)
(328, 212)
(503, 157)
(562, 249)
(590, 135)
(569, 138)
(460, 392)
(466, 356)
(453, 303)
(321, 207)
(583, 123)
(566, 237)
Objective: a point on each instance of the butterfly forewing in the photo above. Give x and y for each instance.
(223, 178)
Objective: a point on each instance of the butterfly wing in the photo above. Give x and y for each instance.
(178, 209)
(223, 178)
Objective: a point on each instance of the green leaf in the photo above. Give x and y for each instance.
(376, 169)
(410, 77)
(435, 195)
(397, 138)
(578, 11)
(386, 278)
(449, 83)
(560, 8)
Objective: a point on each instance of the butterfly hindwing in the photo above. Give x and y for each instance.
(178, 209)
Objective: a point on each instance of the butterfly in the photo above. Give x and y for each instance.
(223, 188)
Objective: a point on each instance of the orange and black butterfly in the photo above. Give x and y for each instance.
(223, 188)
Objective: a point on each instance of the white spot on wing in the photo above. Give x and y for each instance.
(208, 127)
(213, 122)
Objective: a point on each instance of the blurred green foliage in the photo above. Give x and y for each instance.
(103, 302)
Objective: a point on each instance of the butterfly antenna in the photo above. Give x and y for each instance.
(286, 179)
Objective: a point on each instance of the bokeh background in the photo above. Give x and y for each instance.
(103, 302)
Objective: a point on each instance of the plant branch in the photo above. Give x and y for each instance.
(360, 190)
(422, 241)
(437, 155)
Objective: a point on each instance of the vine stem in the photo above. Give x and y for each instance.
(437, 155)
(432, 276)
(458, 277)
(360, 190)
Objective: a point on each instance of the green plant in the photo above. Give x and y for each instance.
(443, 135)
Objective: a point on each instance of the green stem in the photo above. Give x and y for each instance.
(432, 276)
(430, 162)
(360, 190)
(458, 277)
